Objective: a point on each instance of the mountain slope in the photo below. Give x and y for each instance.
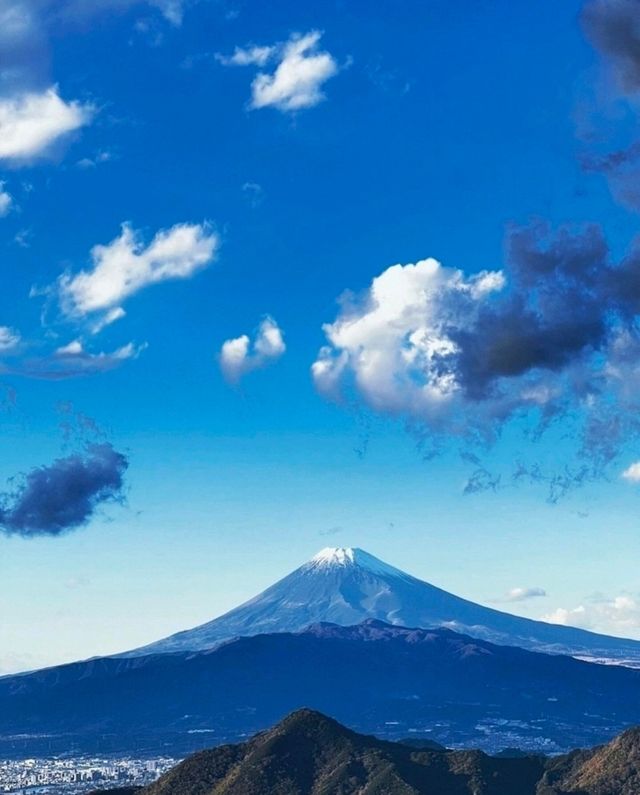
(347, 586)
(613, 769)
(309, 754)
(388, 680)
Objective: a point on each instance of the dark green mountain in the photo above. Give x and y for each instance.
(310, 754)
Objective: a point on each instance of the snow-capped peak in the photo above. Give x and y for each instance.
(335, 556)
(332, 557)
(346, 585)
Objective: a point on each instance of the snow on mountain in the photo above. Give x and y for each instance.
(346, 586)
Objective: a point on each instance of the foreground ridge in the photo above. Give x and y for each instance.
(308, 753)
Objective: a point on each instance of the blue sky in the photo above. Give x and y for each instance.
(375, 137)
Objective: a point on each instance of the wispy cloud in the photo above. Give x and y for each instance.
(71, 11)
(72, 361)
(254, 193)
(126, 265)
(247, 56)
(524, 594)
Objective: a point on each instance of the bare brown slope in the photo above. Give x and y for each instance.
(611, 769)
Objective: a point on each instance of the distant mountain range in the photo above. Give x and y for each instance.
(387, 680)
(310, 754)
(347, 586)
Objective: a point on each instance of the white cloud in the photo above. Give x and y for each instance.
(22, 238)
(523, 594)
(107, 319)
(238, 356)
(31, 122)
(254, 193)
(125, 266)
(73, 348)
(6, 201)
(391, 345)
(246, 56)
(632, 472)
(87, 163)
(76, 349)
(9, 339)
(299, 74)
(172, 10)
(618, 616)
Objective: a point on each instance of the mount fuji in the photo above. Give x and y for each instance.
(346, 586)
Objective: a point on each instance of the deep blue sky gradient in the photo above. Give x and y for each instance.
(446, 123)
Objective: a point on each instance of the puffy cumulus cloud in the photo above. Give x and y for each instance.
(6, 201)
(617, 616)
(632, 472)
(240, 356)
(31, 122)
(51, 500)
(454, 354)
(524, 594)
(126, 265)
(299, 73)
(392, 342)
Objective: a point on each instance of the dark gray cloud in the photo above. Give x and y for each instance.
(622, 170)
(613, 26)
(566, 302)
(51, 500)
(561, 295)
(616, 162)
(481, 480)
